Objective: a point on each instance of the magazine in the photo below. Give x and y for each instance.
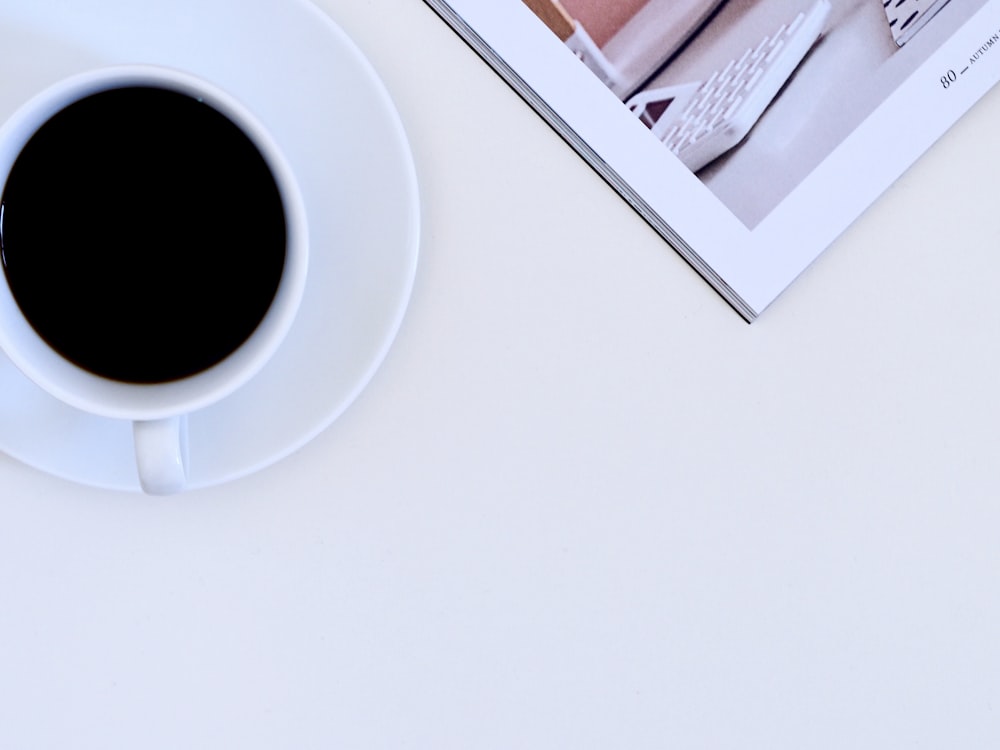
(748, 133)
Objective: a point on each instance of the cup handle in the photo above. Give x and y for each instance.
(161, 454)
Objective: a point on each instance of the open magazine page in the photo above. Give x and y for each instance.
(750, 133)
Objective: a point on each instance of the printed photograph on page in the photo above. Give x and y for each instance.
(752, 95)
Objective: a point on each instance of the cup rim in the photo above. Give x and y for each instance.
(146, 401)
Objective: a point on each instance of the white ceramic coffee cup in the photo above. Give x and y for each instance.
(158, 411)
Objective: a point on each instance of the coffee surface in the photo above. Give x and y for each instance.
(142, 234)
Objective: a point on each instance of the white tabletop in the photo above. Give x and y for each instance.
(582, 504)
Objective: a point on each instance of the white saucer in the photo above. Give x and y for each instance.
(318, 95)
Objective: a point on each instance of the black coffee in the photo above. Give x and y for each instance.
(142, 234)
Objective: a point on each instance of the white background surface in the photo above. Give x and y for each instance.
(581, 505)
